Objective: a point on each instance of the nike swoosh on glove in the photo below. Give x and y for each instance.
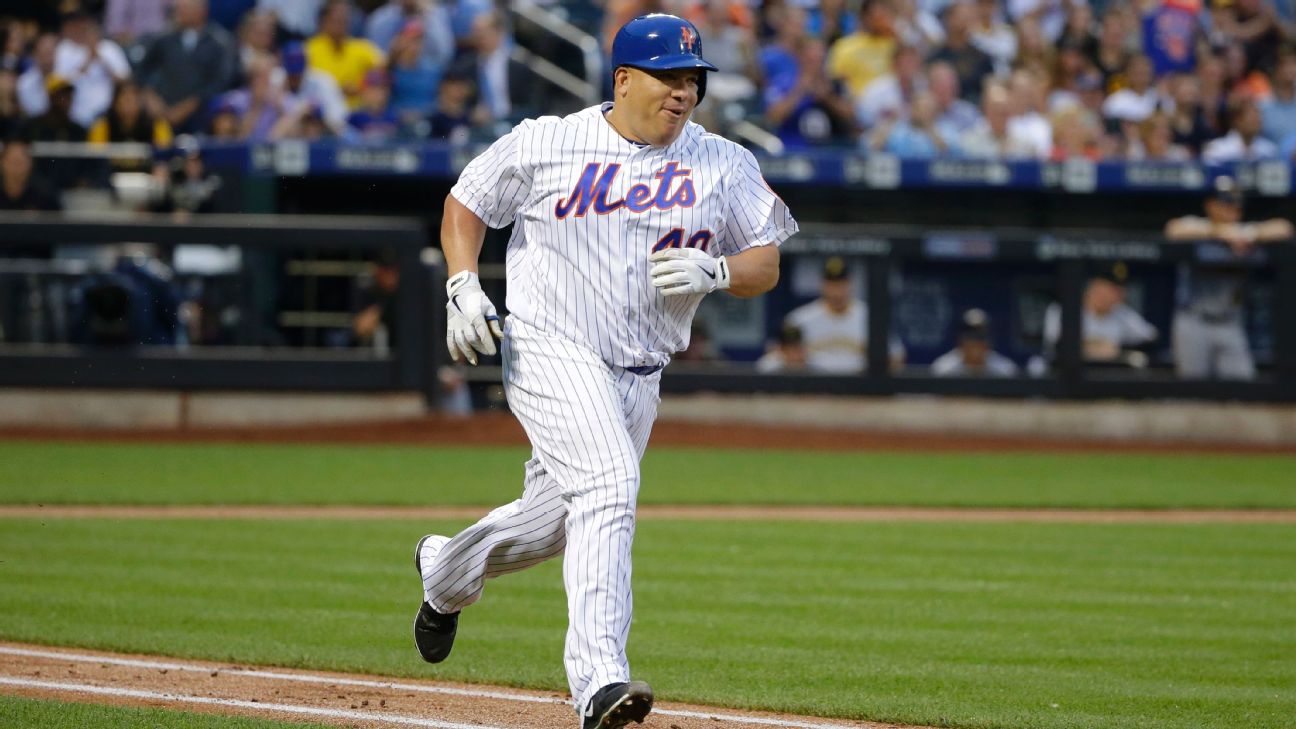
(679, 271)
(470, 319)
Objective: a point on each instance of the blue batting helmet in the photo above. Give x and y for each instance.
(656, 42)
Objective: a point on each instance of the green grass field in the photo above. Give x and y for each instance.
(64, 473)
(965, 625)
(17, 713)
(1004, 626)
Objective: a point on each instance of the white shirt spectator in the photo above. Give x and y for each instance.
(999, 41)
(1232, 148)
(1129, 105)
(980, 142)
(883, 99)
(1032, 131)
(951, 364)
(318, 88)
(94, 83)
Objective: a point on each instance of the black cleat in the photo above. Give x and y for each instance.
(618, 704)
(434, 632)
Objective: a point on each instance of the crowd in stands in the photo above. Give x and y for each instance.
(253, 70)
(1014, 79)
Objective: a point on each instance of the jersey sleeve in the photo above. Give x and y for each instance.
(495, 184)
(754, 215)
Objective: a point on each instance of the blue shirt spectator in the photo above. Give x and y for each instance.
(1170, 34)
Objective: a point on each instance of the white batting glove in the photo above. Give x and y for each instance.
(470, 318)
(679, 271)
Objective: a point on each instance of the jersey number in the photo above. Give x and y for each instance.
(675, 239)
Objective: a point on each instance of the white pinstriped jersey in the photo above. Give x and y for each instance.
(589, 207)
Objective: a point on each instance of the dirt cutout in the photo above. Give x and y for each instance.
(328, 698)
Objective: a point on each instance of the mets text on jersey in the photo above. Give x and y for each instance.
(592, 189)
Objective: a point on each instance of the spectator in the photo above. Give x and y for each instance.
(304, 121)
(1155, 142)
(374, 120)
(974, 356)
(1212, 93)
(888, 97)
(1051, 15)
(1076, 135)
(915, 137)
(1109, 327)
(93, 63)
(128, 21)
(11, 116)
(992, 36)
(56, 124)
(385, 25)
(32, 96)
(490, 45)
(1208, 332)
(1171, 30)
(968, 62)
(1188, 123)
(990, 137)
(128, 121)
(185, 69)
(20, 187)
(1238, 79)
(1028, 122)
(834, 327)
(257, 106)
(1034, 52)
(1111, 54)
(787, 355)
(225, 120)
(296, 19)
(1254, 25)
(916, 27)
(256, 35)
(955, 116)
(1070, 66)
(803, 105)
(1139, 99)
(414, 75)
(730, 45)
(334, 51)
(866, 54)
(1278, 112)
(299, 84)
(1079, 29)
(456, 112)
(1244, 142)
(13, 45)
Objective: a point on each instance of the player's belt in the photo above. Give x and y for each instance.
(645, 370)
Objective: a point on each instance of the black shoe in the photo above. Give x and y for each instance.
(434, 632)
(618, 704)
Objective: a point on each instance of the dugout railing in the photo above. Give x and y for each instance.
(242, 366)
(412, 365)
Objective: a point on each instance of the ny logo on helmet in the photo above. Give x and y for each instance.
(688, 40)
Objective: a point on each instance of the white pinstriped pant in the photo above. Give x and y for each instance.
(588, 423)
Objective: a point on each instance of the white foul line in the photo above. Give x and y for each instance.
(81, 688)
(423, 688)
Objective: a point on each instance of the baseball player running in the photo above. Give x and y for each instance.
(625, 215)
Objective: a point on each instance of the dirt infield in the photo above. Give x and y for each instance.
(691, 513)
(329, 698)
(498, 428)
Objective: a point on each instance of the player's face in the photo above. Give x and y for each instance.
(657, 103)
